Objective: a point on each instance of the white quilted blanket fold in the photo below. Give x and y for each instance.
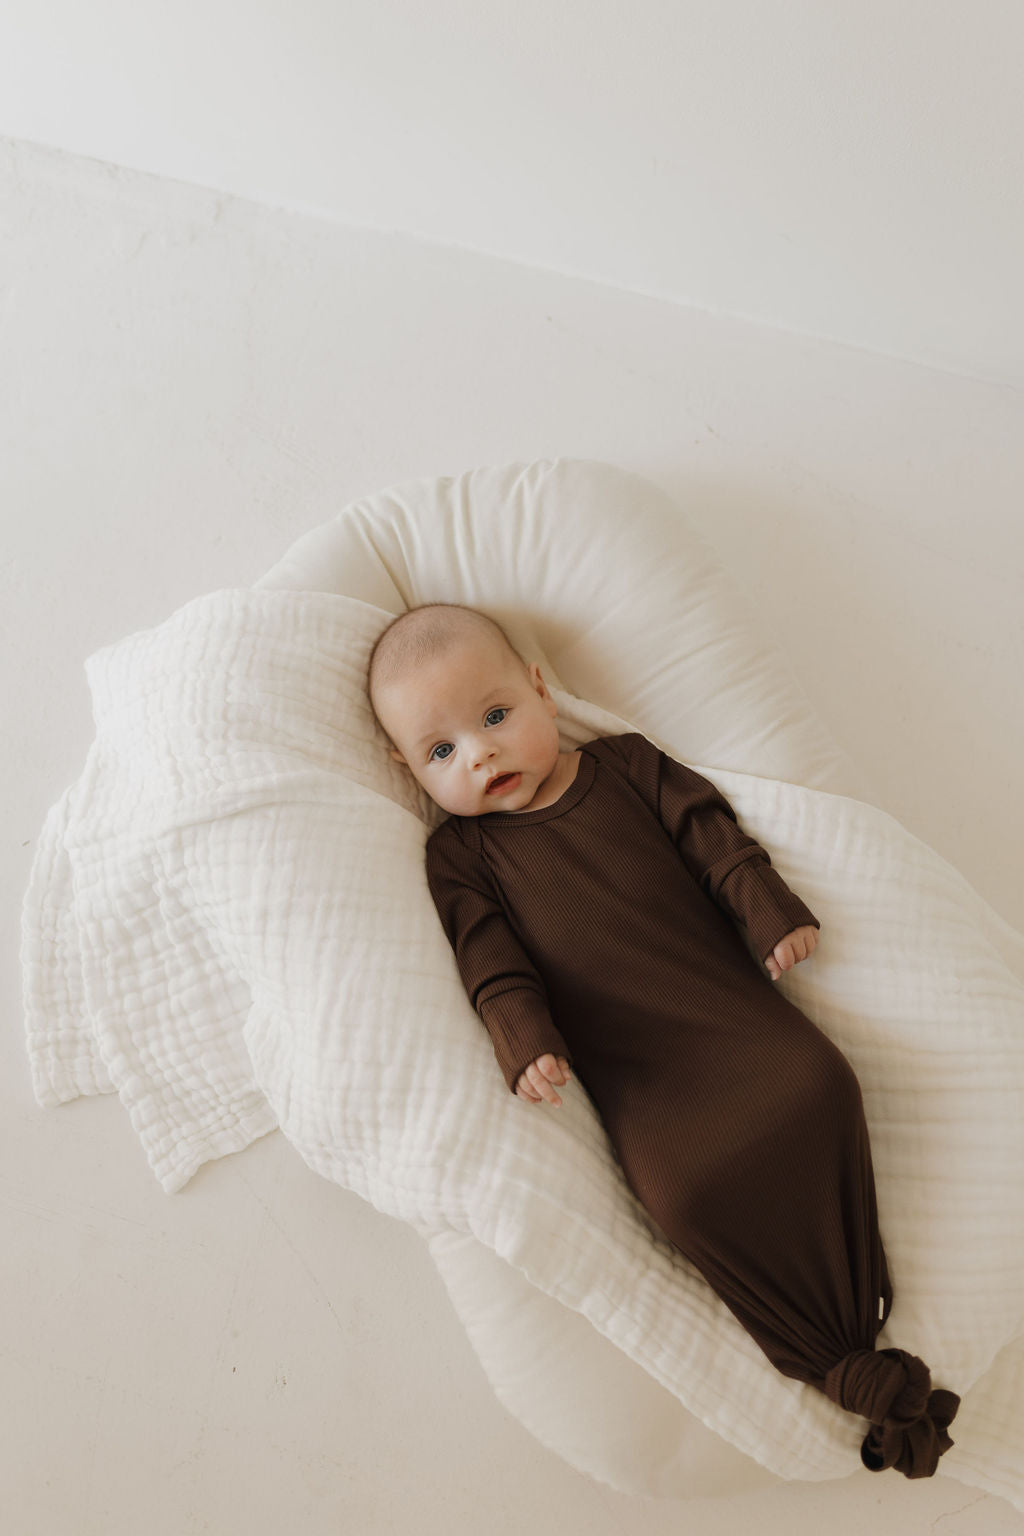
(228, 924)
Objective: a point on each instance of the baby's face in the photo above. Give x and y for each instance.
(466, 717)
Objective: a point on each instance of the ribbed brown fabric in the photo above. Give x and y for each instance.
(602, 929)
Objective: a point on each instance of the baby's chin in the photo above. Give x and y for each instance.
(470, 811)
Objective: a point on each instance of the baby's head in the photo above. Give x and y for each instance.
(460, 706)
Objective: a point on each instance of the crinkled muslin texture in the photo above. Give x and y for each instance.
(228, 924)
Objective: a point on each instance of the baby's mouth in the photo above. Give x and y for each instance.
(503, 781)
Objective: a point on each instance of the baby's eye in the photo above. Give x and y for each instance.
(500, 710)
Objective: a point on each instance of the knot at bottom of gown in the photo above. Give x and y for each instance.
(908, 1420)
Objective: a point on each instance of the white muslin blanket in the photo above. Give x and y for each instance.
(228, 924)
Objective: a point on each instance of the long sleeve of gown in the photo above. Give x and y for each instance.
(501, 981)
(731, 868)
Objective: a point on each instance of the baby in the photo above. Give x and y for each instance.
(594, 901)
(439, 672)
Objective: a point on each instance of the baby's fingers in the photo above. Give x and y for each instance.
(554, 1068)
(537, 1077)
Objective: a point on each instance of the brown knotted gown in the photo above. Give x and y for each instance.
(601, 929)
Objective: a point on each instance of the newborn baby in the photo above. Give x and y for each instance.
(591, 899)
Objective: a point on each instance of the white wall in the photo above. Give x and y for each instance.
(188, 382)
(847, 171)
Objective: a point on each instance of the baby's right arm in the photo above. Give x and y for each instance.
(499, 977)
(536, 1081)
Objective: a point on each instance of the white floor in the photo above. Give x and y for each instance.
(190, 383)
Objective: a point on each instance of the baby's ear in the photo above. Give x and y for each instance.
(398, 756)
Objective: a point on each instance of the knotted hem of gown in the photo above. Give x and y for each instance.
(909, 1421)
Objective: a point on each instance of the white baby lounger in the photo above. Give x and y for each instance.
(249, 854)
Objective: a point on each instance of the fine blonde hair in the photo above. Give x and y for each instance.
(426, 631)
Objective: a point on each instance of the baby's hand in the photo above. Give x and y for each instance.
(535, 1081)
(789, 951)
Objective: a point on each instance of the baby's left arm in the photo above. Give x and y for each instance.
(729, 865)
(789, 951)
